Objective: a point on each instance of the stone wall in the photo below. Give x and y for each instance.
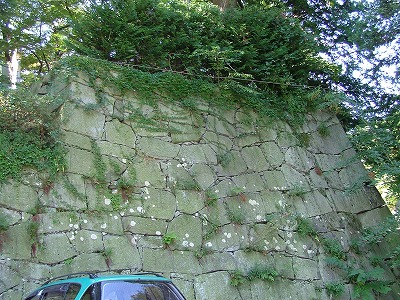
(195, 195)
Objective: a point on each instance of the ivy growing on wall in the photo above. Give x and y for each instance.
(29, 136)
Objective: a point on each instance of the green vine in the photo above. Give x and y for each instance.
(257, 272)
(185, 91)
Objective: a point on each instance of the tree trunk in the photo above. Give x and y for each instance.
(224, 4)
(13, 68)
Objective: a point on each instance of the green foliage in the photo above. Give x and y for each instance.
(237, 278)
(224, 159)
(260, 272)
(260, 44)
(211, 228)
(297, 190)
(366, 283)
(378, 143)
(235, 214)
(386, 232)
(199, 254)
(37, 209)
(68, 261)
(333, 248)
(305, 227)
(99, 164)
(323, 130)
(3, 222)
(211, 198)
(107, 252)
(169, 238)
(116, 201)
(334, 289)
(28, 136)
(34, 29)
(190, 185)
(33, 231)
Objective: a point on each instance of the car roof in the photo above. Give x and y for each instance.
(87, 278)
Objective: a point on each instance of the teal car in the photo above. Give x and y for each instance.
(90, 286)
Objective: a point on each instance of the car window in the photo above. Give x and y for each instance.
(90, 293)
(129, 290)
(57, 292)
(72, 291)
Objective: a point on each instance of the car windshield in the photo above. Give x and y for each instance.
(133, 290)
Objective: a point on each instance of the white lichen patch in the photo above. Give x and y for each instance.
(107, 201)
(228, 235)
(93, 236)
(253, 202)
(133, 223)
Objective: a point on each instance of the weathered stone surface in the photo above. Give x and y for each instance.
(80, 161)
(77, 140)
(145, 226)
(16, 244)
(220, 126)
(157, 148)
(60, 197)
(87, 241)
(159, 204)
(123, 255)
(17, 196)
(50, 254)
(204, 175)
(189, 202)
(107, 222)
(86, 123)
(236, 191)
(200, 153)
(219, 143)
(172, 261)
(188, 231)
(119, 133)
(254, 159)
(272, 153)
(215, 286)
(231, 163)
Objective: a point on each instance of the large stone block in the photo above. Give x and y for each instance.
(103, 222)
(123, 255)
(158, 148)
(161, 260)
(16, 243)
(18, 196)
(255, 159)
(188, 230)
(55, 248)
(189, 202)
(215, 286)
(89, 123)
(200, 153)
(119, 133)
